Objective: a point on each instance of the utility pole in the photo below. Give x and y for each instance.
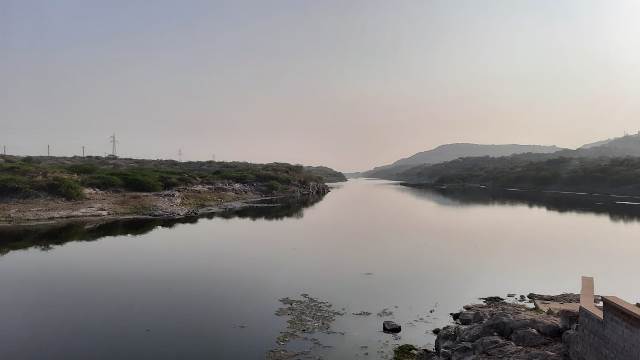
(180, 155)
(48, 150)
(4, 150)
(113, 144)
(82, 150)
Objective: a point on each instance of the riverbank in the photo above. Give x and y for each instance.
(46, 189)
(498, 329)
(108, 205)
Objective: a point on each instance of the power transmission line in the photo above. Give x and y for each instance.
(113, 141)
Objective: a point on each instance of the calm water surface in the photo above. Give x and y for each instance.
(208, 289)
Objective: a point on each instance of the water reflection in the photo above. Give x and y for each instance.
(45, 237)
(617, 208)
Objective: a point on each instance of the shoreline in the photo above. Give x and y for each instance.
(104, 206)
(498, 329)
(557, 191)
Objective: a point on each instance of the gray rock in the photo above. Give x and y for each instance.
(487, 343)
(475, 332)
(470, 317)
(462, 351)
(528, 337)
(425, 354)
(446, 338)
(391, 327)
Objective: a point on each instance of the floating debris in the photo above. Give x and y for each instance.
(385, 312)
(307, 316)
(361, 313)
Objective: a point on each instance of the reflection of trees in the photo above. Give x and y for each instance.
(45, 237)
(555, 201)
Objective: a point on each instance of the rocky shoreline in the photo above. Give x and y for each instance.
(173, 204)
(498, 329)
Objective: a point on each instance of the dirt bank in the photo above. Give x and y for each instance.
(180, 202)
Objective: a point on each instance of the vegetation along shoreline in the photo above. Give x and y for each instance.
(35, 190)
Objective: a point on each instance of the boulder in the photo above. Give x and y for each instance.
(528, 337)
(426, 354)
(462, 351)
(482, 345)
(446, 338)
(470, 317)
(391, 327)
(475, 332)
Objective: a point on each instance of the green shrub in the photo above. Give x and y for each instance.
(12, 185)
(273, 185)
(140, 182)
(66, 188)
(28, 160)
(102, 182)
(82, 169)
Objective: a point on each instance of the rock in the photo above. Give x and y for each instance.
(475, 332)
(435, 331)
(462, 351)
(445, 354)
(501, 330)
(492, 299)
(470, 317)
(361, 313)
(508, 350)
(563, 298)
(391, 327)
(446, 337)
(426, 354)
(528, 337)
(568, 319)
(487, 343)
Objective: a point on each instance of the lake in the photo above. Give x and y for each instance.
(209, 288)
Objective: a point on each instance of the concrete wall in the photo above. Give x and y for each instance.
(610, 334)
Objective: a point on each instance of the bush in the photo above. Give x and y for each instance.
(12, 185)
(273, 185)
(102, 182)
(82, 169)
(66, 188)
(140, 182)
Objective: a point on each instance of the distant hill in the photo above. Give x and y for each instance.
(594, 144)
(603, 175)
(448, 152)
(628, 145)
(327, 174)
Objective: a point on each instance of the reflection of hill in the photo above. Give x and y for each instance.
(617, 208)
(46, 237)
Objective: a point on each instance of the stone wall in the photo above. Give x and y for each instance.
(610, 334)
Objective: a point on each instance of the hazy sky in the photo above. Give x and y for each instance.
(347, 84)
